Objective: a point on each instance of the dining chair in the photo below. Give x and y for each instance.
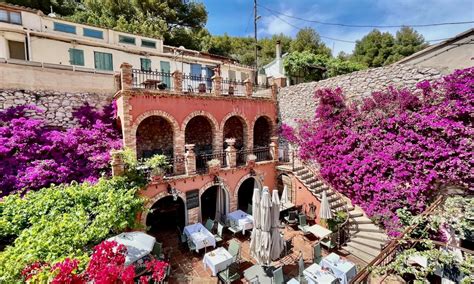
(330, 241)
(317, 256)
(303, 225)
(278, 276)
(219, 238)
(291, 218)
(230, 274)
(301, 268)
(157, 251)
(249, 209)
(209, 224)
(234, 250)
(234, 227)
(191, 245)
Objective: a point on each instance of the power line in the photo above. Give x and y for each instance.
(366, 26)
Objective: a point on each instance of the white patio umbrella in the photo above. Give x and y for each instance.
(219, 203)
(277, 240)
(138, 245)
(266, 227)
(255, 236)
(284, 195)
(325, 209)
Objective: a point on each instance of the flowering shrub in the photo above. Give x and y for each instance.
(106, 266)
(395, 148)
(34, 155)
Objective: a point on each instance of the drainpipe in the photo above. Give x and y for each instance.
(28, 46)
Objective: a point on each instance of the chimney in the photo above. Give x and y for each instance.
(278, 49)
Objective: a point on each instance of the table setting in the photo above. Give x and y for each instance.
(217, 260)
(340, 267)
(200, 236)
(316, 274)
(244, 220)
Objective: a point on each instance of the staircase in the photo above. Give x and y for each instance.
(365, 238)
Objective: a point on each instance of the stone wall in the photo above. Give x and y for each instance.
(58, 106)
(296, 102)
(154, 136)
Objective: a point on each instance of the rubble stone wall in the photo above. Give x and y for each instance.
(297, 102)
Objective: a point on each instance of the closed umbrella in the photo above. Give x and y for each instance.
(255, 236)
(219, 204)
(277, 240)
(284, 195)
(266, 226)
(325, 209)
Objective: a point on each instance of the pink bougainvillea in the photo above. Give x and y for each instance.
(34, 155)
(395, 148)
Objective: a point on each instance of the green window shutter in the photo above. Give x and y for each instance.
(103, 61)
(76, 56)
(145, 64)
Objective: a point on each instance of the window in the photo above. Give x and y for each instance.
(10, 17)
(76, 56)
(93, 33)
(126, 39)
(65, 28)
(103, 61)
(16, 49)
(231, 75)
(148, 43)
(145, 64)
(243, 76)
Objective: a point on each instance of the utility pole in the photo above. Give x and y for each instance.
(255, 36)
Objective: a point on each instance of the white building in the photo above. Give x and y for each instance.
(27, 34)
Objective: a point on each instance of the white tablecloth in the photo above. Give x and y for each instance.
(200, 236)
(217, 260)
(244, 220)
(319, 231)
(343, 269)
(315, 275)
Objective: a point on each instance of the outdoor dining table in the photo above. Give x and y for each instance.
(244, 220)
(200, 236)
(217, 260)
(257, 273)
(314, 274)
(319, 231)
(342, 269)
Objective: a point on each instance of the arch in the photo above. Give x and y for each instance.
(149, 113)
(209, 185)
(282, 180)
(149, 204)
(235, 126)
(155, 135)
(206, 114)
(246, 179)
(231, 114)
(263, 138)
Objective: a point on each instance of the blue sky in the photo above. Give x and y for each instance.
(234, 17)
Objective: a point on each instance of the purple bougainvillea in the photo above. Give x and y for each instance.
(395, 148)
(34, 155)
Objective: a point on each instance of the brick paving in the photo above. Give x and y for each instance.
(187, 266)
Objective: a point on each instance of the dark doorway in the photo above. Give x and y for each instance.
(208, 203)
(166, 214)
(245, 193)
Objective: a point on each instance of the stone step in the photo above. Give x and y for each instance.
(354, 228)
(360, 220)
(376, 236)
(374, 244)
(337, 205)
(365, 248)
(359, 252)
(355, 213)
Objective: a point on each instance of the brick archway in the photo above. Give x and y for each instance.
(216, 132)
(227, 193)
(168, 117)
(154, 199)
(271, 131)
(245, 128)
(239, 184)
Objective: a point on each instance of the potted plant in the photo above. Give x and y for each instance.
(157, 166)
(214, 166)
(251, 160)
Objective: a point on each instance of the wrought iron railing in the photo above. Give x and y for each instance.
(177, 166)
(142, 79)
(233, 87)
(262, 153)
(203, 158)
(196, 84)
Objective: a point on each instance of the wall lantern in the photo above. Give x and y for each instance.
(173, 191)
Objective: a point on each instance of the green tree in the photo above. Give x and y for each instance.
(374, 48)
(338, 66)
(306, 65)
(308, 39)
(61, 7)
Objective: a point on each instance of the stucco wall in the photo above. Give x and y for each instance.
(296, 102)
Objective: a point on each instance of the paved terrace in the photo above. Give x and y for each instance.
(187, 267)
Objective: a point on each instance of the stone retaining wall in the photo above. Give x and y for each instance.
(58, 106)
(296, 102)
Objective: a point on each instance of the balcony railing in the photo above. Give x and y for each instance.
(233, 87)
(262, 153)
(151, 80)
(196, 84)
(203, 158)
(177, 166)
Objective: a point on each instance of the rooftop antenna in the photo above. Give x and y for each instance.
(52, 14)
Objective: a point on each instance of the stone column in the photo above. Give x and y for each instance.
(193, 215)
(217, 85)
(118, 166)
(280, 82)
(190, 159)
(231, 153)
(274, 148)
(177, 81)
(118, 81)
(274, 91)
(126, 76)
(248, 87)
